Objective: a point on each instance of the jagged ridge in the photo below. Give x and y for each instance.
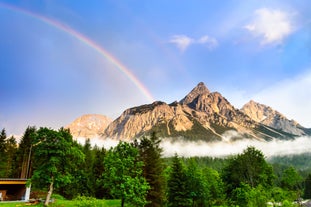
(201, 114)
(272, 118)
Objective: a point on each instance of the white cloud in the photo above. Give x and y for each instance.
(210, 42)
(181, 41)
(292, 97)
(184, 41)
(273, 26)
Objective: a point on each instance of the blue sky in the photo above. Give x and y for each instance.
(246, 50)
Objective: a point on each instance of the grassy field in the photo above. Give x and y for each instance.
(65, 203)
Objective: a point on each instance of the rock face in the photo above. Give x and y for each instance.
(270, 117)
(200, 115)
(89, 125)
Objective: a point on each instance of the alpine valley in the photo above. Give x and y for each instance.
(200, 115)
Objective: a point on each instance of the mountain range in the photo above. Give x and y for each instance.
(200, 115)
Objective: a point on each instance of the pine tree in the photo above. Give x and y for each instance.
(307, 190)
(3, 155)
(2, 142)
(88, 166)
(197, 184)
(150, 154)
(23, 165)
(11, 148)
(98, 170)
(177, 185)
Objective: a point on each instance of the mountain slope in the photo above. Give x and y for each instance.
(89, 125)
(272, 118)
(200, 115)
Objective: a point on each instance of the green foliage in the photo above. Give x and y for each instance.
(291, 180)
(54, 152)
(86, 186)
(124, 175)
(247, 196)
(277, 194)
(3, 156)
(8, 147)
(11, 149)
(248, 168)
(2, 142)
(287, 203)
(307, 189)
(83, 201)
(197, 186)
(153, 169)
(211, 162)
(215, 186)
(138, 175)
(301, 162)
(177, 185)
(24, 155)
(98, 170)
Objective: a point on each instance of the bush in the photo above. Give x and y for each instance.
(57, 197)
(287, 203)
(84, 201)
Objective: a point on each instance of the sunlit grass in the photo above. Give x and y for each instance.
(62, 203)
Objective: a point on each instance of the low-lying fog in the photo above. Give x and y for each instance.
(220, 149)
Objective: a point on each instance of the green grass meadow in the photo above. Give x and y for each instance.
(66, 203)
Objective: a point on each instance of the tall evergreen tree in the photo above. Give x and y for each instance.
(3, 156)
(2, 141)
(177, 185)
(150, 154)
(98, 170)
(11, 148)
(307, 189)
(215, 185)
(23, 164)
(196, 184)
(88, 167)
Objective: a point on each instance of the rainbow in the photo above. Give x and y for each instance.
(87, 41)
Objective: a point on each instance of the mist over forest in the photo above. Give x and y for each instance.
(225, 148)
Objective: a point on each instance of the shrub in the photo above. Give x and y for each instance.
(84, 201)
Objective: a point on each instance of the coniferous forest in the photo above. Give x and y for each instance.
(137, 174)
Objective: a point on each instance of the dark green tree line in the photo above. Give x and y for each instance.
(138, 175)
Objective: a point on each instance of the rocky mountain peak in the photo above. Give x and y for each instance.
(200, 115)
(257, 111)
(89, 125)
(272, 118)
(200, 89)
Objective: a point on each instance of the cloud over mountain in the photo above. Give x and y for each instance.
(288, 96)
